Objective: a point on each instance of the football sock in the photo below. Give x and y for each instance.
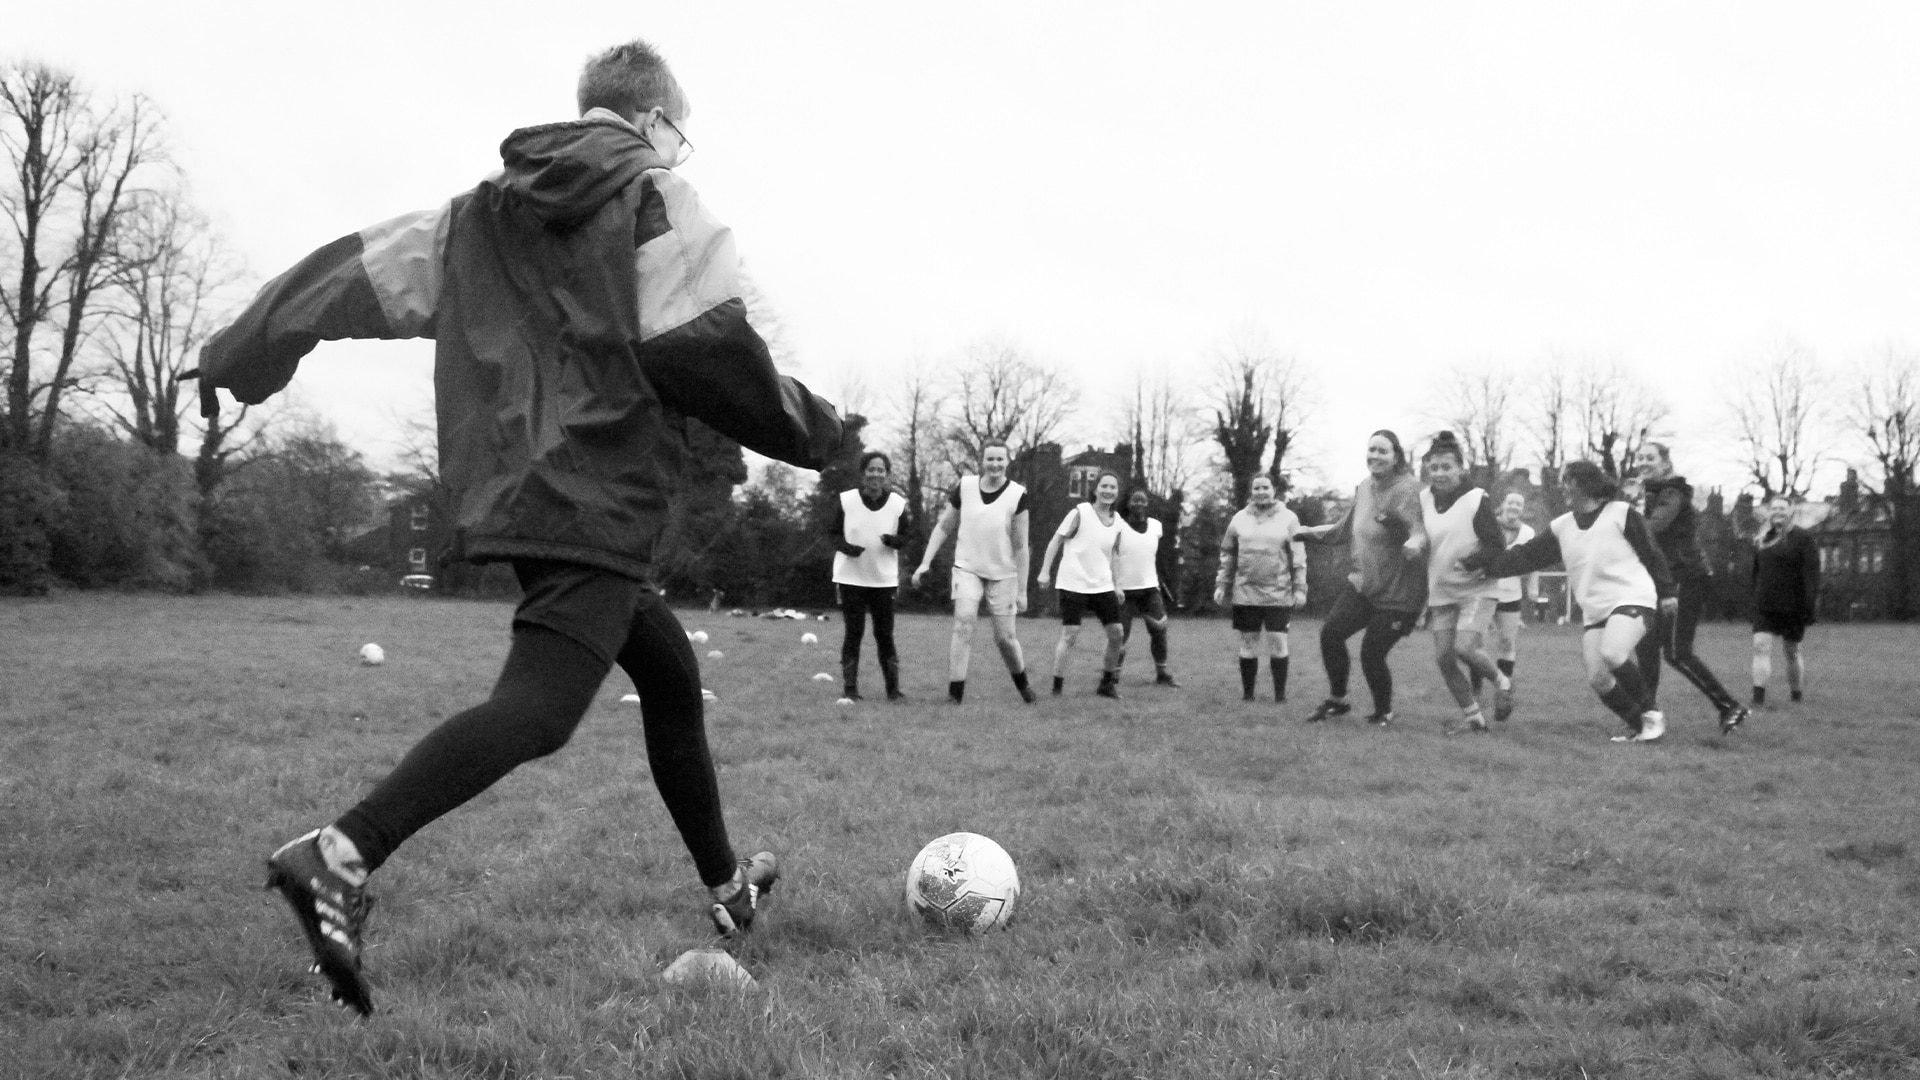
(1505, 666)
(1277, 667)
(342, 856)
(1759, 695)
(1249, 674)
(1020, 681)
(1627, 677)
(1059, 684)
(1624, 705)
(957, 689)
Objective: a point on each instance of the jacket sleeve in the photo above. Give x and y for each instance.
(1640, 538)
(381, 282)
(1810, 575)
(1536, 554)
(1229, 558)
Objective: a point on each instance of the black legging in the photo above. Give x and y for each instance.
(545, 688)
(856, 602)
(1673, 638)
(1351, 614)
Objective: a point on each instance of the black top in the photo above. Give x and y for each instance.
(1786, 573)
(1675, 524)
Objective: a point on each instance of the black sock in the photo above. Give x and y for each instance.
(1249, 674)
(957, 689)
(1624, 705)
(1505, 666)
(1759, 695)
(1059, 683)
(1277, 667)
(1627, 676)
(1020, 681)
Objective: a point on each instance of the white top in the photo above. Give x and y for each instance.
(1086, 559)
(1134, 568)
(984, 538)
(1510, 587)
(877, 567)
(1450, 538)
(1603, 570)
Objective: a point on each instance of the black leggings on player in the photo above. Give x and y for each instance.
(1673, 638)
(856, 603)
(1351, 614)
(547, 685)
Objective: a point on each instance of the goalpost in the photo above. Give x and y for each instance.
(1552, 597)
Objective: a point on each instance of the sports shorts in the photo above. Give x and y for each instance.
(1637, 611)
(1075, 605)
(1786, 626)
(594, 607)
(970, 588)
(1147, 602)
(1474, 615)
(1248, 618)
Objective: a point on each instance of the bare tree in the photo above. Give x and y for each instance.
(1476, 404)
(73, 168)
(171, 269)
(1776, 412)
(1003, 396)
(916, 404)
(1886, 413)
(1258, 401)
(1161, 426)
(1548, 396)
(1616, 411)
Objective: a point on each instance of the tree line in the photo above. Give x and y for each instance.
(111, 280)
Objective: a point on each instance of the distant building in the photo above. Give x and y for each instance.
(1855, 536)
(1055, 483)
(407, 542)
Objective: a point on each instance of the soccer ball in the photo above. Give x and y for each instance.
(372, 655)
(809, 639)
(963, 881)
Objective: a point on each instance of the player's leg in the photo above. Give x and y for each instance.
(1004, 611)
(1246, 622)
(968, 590)
(1762, 664)
(853, 615)
(1279, 650)
(1615, 645)
(1348, 617)
(1072, 611)
(1384, 631)
(880, 606)
(1796, 662)
(1678, 643)
(1107, 607)
(1157, 626)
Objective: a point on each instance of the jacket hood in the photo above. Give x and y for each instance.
(564, 173)
(1676, 482)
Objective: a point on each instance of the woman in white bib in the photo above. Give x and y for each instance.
(1087, 543)
(1458, 517)
(1618, 577)
(866, 569)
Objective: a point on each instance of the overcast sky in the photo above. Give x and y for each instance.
(1385, 190)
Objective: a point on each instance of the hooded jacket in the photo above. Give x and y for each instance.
(582, 304)
(1674, 523)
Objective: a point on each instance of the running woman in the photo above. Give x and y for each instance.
(1137, 572)
(1088, 544)
(1387, 589)
(866, 569)
(1618, 577)
(1263, 571)
(1513, 593)
(1458, 519)
(1786, 593)
(1667, 502)
(987, 517)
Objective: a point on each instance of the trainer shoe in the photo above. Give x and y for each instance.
(1328, 709)
(1380, 719)
(332, 913)
(1027, 695)
(738, 901)
(1502, 703)
(1733, 718)
(1653, 724)
(1166, 678)
(1109, 690)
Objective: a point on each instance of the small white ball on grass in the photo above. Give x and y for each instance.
(844, 701)
(699, 637)
(809, 639)
(822, 676)
(715, 654)
(372, 655)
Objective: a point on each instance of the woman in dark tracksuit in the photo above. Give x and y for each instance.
(1786, 590)
(1667, 505)
(1387, 590)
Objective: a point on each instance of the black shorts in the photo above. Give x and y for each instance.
(1250, 617)
(1507, 605)
(1786, 626)
(1104, 605)
(1147, 602)
(1638, 611)
(594, 607)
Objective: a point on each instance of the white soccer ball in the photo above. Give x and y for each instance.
(372, 655)
(809, 639)
(963, 881)
(698, 637)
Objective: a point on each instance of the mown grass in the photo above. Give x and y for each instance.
(1212, 889)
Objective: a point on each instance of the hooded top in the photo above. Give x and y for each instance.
(1674, 523)
(582, 305)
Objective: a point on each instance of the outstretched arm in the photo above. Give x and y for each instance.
(949, 521)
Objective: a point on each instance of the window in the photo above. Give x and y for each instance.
(1829, 558)
(1871, 557)
(420, 517)
(417, 558)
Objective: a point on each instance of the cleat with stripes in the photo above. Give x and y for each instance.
(332, 913)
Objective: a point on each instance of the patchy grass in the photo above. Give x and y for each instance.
(1213, 889)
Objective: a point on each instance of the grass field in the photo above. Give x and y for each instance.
(1212, 890)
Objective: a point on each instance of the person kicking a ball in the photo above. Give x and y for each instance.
(581, 302)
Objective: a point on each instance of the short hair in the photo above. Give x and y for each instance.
(1590, 480)
(1399, 452)
(1445, 443)
(631, 79)
(984, 447)
(1659, 448)
(867, 459)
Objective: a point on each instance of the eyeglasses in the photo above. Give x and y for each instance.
(686, 144)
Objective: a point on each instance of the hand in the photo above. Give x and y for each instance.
(1040, 579)
(1411, 551)
(917, 575)
(890, 540)
(1020, 602)
(1299, 599)
(851, 551)
(1669, 606)
(1219, 595)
